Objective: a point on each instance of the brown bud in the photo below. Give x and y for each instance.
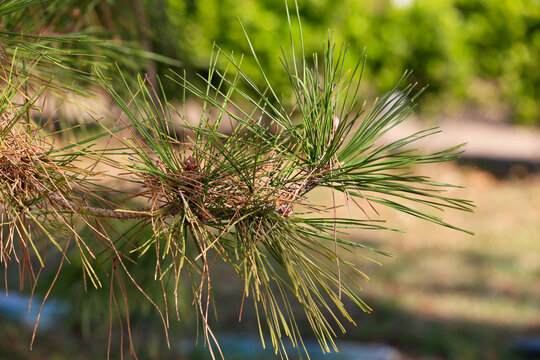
(190, 164)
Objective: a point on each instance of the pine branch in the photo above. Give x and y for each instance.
(209, 196)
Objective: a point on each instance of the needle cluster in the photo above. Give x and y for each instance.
(242, 198)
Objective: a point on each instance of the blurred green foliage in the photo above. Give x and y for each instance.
(471, 53)
(474, 52)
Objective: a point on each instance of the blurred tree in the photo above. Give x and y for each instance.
(452, 45)
(449, 44)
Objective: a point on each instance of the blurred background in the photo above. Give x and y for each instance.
(443, 294)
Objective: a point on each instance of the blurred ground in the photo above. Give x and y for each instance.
(454, 296)
(443, 295)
